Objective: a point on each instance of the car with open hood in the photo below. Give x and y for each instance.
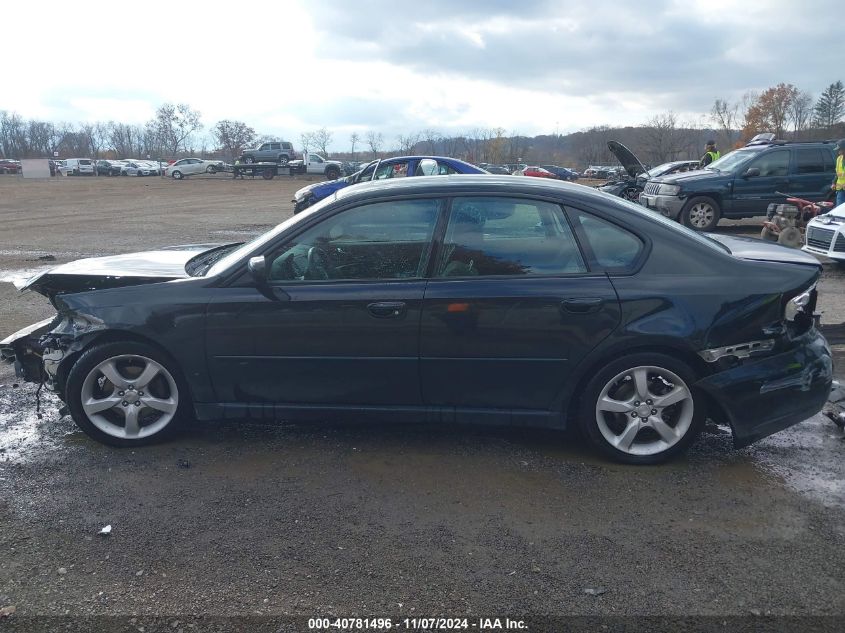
(396, 167)
(632, 183)
(454, 299)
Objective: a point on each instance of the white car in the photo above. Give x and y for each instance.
(189, 166)
(825, 234)
(77, 167)
(139, 168)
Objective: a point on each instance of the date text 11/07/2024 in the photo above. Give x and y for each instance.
(416, 624)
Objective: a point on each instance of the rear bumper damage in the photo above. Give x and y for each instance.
(761, 397)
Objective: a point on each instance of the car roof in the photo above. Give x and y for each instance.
(454, 184)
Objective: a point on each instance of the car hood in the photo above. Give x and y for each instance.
(96, 273)
(689, 177)
(626, 157)
(758, 250)
(321, 189)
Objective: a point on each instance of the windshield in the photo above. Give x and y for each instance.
(732, 160)
(701, 238)
(233, 257)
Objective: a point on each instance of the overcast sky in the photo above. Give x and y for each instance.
(532, 67)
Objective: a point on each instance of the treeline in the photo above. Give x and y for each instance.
(177, 130)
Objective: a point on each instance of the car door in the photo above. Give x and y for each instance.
(338, 321)
(754, 193)
(511, 308)
(315, 164)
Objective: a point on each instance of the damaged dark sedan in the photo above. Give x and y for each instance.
(454, 299)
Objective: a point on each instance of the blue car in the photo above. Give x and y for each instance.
(398, 167)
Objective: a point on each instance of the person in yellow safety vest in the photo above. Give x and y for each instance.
(839, 180)
(710, 154)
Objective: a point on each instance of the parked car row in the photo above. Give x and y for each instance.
(10, 166)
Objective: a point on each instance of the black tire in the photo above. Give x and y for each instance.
(630, 193)
(791, 237)
(211, 169)
(268, 174)
(332, 173)
(89, 360)
(283, 160)
(177, 175)
(691, 214)
(588, 416)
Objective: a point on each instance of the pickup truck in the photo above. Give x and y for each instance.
(277, 152)
(316, 164)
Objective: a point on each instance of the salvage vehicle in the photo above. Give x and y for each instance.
(635, 175)
(189, 166)
(109, 167)
(457, 299)
(316, 164)
(380, 170)
(825, 234)
(743, 183)
(10, 166)
(535, 171)
(77, 167)
(281, 152)
(564, 173)
(138, 168)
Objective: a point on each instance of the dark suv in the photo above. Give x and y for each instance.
(744, 182)
(280, 152)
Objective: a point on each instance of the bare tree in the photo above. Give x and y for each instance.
(724, 114)
(306, 139)
(233, 137)
(322, 138)
(431, 137)
(661, 138)
(800, 111)
(172, 127)
(354, 139)
(375, 141)
(407, 142)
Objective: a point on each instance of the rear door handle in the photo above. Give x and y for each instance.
(387, 309)
(582, 305)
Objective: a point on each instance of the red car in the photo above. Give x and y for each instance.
(8, 166)
(538, 172)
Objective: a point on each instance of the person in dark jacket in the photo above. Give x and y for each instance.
(710, 154)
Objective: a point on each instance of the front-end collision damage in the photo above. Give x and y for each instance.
(38, 350)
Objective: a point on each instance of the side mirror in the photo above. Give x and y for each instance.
(751, 173)
(257, 267)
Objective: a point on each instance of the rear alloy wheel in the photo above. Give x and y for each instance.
(641, 409)
(177, 175)
(701, 214)
(211, 169)
(125, 394)
(790, 236)
(249, 160)
(283, 161)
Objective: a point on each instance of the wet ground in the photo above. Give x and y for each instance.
(248, 519)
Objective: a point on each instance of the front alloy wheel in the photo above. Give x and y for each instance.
(642, 409)
(124, 394)
(701, 214)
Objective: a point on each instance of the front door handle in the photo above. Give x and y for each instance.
(387, 309)
(582, 305)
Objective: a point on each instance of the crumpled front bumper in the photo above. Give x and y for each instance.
(761, 397)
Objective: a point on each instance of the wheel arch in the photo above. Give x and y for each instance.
(573, 396)
(115, 336)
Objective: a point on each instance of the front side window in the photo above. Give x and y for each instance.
(385, 240)
(391, 170)
(772, 163)
(508, 236)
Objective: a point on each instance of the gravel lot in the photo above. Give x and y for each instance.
(314, 520)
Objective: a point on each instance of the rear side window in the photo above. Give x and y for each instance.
(286, 146)
(491, 236)
(829, 160)
(611, 247)
(809, 161)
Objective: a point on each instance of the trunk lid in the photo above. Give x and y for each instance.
(758, 250)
